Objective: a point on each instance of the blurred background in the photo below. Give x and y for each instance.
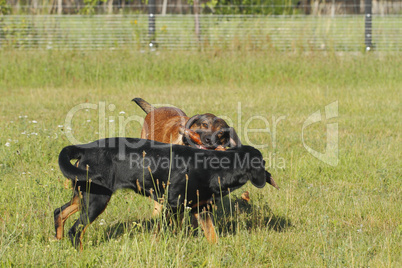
(340, 25)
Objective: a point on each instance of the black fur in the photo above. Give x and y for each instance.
(115, 163)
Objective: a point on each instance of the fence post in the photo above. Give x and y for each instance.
(151, 23)
(59, 7)
(196, 9)
(368, 24)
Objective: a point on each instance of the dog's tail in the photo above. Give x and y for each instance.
(69, 170)
(144, 105)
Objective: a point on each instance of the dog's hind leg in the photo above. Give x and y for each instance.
(91, 209)
(61, 215)
(207, 225)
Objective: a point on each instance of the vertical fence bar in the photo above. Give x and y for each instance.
(368, 24)
(196, 8)
(59, 7)
(151, 23)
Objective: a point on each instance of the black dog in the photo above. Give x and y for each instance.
(180, 175)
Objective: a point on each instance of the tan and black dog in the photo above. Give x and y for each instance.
(169, 125)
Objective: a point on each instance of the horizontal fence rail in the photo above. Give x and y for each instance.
(339, 31)
(261, 7)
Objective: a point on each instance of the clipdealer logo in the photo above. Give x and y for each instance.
(199, 161)
(117, 126)
(331, 153)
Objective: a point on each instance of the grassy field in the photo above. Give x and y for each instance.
(327, 216)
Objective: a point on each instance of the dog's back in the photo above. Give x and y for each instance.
(166, 124)
(128, 158)
(162, 124)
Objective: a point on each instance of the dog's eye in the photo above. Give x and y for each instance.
(205, 125)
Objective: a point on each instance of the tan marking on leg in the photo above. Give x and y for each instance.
(81, 236)
(157, 209)
(85, 228)
(63, 216)
(207, 225)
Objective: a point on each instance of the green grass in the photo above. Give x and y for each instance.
(348, 215)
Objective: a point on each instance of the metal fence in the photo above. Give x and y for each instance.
(326, 27)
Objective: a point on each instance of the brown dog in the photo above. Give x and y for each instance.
(172, 125)
(169, 125)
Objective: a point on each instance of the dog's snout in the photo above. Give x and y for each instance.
(206, 139)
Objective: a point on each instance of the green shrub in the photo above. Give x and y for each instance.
(256, 7)
(4, 8)
(17, 33)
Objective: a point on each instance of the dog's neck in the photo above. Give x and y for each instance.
(229, 183)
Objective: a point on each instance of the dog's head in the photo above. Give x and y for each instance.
(258, 176)
(213, 131)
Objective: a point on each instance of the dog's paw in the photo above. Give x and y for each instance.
(245, 196)
(220, 148)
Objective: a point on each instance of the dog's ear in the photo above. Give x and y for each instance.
(234, 139)
(257, 177)
(192, 120)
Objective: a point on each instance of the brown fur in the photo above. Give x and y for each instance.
(166, 125)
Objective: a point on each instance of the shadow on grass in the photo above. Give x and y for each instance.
(230, 216)
(130, 227)
(233, 215)
(155, 225)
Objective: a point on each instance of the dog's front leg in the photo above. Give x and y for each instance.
(206, 221)
(90, 210)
